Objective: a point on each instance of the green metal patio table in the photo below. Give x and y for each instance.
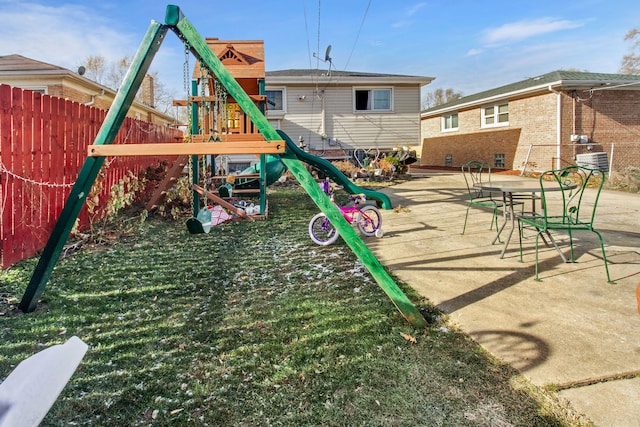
(517, 190)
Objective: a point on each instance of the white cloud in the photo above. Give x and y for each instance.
(402, 23)
(67, 35)
(521, 30)
(474, 52)
(64, 35)
(416, 8)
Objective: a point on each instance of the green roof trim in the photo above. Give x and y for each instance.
(560, 79)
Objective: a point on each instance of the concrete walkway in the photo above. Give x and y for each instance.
(572, 329)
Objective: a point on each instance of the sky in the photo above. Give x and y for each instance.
(466, 45)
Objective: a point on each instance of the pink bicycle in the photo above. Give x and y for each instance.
(367, 218)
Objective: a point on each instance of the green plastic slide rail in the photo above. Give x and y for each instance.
(337, 176)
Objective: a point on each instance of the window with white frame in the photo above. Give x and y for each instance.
(39, 89)
(275, 100)
(495, 115)
(380, 99)
(450, 122)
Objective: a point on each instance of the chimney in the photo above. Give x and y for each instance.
(146, 91)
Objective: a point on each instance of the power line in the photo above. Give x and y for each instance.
(318, 46)
(364, 17)
(306, 31)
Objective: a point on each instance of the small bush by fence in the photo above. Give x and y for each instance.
(43, 145)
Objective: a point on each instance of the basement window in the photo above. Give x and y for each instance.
(498, 161)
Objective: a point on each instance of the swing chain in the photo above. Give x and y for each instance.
(185, 69)
(223, 110)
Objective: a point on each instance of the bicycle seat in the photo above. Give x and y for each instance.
(358, 197)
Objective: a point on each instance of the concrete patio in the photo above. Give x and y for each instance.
(572, 329)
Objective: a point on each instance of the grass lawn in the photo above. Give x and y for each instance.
(254, 325)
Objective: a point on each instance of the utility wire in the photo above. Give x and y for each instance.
(364, 17)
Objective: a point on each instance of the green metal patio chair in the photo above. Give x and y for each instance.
(474, 172)
(574, 210)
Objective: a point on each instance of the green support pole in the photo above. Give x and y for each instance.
(351, 237)
(185, 30)
(106, 135)
(263, 183)
(123, 100)
(195, 129)
(263, 158)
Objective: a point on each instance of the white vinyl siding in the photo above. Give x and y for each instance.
(362, 129)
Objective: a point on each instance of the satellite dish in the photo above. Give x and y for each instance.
(81, 70)
(326, 54)
(327, 58)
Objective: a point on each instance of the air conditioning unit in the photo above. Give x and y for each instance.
(593, 161)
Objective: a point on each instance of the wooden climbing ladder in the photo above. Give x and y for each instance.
(170, 178)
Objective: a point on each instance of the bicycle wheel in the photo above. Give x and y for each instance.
(322, 231)
(369, 220)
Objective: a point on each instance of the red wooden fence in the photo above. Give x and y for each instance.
(43, 145)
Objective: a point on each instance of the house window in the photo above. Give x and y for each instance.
(373, 99)
(40, 90)
(275, 100)
(450, 122)
(498, 161)
(495, 115)
(448, 160)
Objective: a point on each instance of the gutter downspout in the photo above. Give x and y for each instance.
(558, 125)
(323, 118)
(93, 98)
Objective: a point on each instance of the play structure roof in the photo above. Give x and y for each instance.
(243, 58)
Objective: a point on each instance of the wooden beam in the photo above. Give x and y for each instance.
(184, 103)
(219, 200)
(229, 137)
(245, 147)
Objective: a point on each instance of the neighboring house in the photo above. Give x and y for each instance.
(545, 122)
(332, 113)
(48, 79)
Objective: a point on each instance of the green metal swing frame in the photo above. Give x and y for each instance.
(182, 27)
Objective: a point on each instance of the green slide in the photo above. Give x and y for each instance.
(334, 173)
(274, 168)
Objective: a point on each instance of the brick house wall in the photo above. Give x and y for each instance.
(611, 119)
(102, 102)
(607, 117)
(456, 149)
